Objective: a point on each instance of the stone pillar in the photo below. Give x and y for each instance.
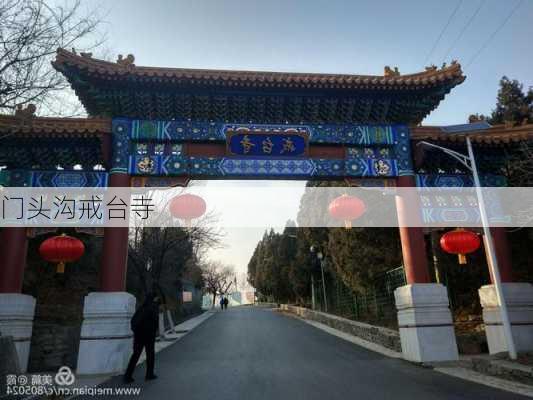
(424, 317)
(106, 338)
(16, 320)
(519, 300)
(14, 245)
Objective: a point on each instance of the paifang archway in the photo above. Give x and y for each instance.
(164, 126)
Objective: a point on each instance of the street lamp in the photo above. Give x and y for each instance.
(320, 258)
(469, 162)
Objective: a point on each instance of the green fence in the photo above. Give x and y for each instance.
(376, 305)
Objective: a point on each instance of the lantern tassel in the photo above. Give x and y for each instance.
(60, 268)
(462, 258)
(347, 224)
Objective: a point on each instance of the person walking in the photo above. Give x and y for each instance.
(221, 302)
(144, 326)
(226, 302)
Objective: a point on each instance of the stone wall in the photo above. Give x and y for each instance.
(53, 346)
(382, 336)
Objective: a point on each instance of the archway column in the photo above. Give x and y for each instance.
(106, 338)
(17, 310)
(113, 264)
(518, 297)
(14, 246)
(424, 318)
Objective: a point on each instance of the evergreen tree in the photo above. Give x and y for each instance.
(513, 105)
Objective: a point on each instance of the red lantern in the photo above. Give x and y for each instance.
(61, 249)
(187, 207)
(460, 242)
(347, 208)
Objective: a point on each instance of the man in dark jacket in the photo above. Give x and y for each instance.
(144, 326)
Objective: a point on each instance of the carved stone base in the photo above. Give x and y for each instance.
(519, 300)
(16, 320)
(106, 337)
(425, 322)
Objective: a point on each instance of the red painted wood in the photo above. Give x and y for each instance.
(413, 243)
(327, 152)
(115, 249)
(205, 149)
(503, 253)
(14, 246)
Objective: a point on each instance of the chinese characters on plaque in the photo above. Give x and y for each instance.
(267, 144)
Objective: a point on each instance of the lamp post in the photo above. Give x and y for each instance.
(469, 162)
(320, 258)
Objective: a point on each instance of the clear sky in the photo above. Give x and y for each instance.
(332, 36)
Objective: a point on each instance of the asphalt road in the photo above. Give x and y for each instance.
(253, 353)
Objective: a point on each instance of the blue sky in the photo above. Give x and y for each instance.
(357, 37)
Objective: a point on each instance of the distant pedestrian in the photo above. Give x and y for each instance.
(226, 302)
(144, 326)
(222, 302)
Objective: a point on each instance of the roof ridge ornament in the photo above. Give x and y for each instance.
(389, 72)
(25, 115)
(127, 62)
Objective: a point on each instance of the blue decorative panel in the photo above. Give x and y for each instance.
(457, 206)
(176, 130)
(402, 148)
(205, 166)
(360, 135)
(120, 144)
(267, 167)
(353, 134)
(15, 178)
(174, 165)
(91, 179)
(329, 167)
(156, 149)
(447, 180)
(450, 215)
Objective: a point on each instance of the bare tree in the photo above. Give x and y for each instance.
(30, 33)
(160, 254)
(218, 278)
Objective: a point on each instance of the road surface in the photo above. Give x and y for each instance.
(253, 353)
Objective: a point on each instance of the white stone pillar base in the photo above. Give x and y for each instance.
(519, 299)
(106, 337)
(16, 319)
(425, 322)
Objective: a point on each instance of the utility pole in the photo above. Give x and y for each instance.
(313, 301)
